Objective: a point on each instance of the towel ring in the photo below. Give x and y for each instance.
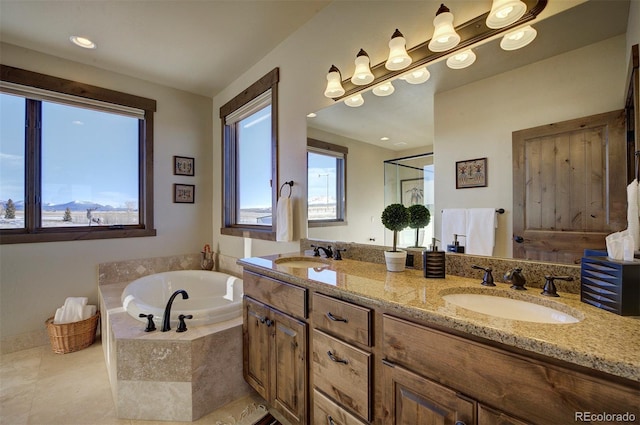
(290, 184)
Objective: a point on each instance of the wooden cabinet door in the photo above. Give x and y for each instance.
(410, 399)
(255, 330)
(289, 367)
(569, 187)
(488, 416)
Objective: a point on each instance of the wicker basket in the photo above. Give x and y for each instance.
(70, 337)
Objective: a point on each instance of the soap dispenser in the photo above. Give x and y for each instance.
(455, 245)
(433, 262)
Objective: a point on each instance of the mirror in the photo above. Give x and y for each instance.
(426, 118)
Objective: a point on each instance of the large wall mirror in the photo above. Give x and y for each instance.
(577, 66)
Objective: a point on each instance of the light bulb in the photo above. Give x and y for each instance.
(354, 101)
(445, 36)
(417, 76)
(519, 38)
(362, 75)
(334, 84)
(505, 12)
(461, 60)
(398, 56)
(384, 89)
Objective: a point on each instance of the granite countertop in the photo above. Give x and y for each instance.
(600, 340)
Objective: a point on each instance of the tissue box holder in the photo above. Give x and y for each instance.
(70, 337)
(611, 285)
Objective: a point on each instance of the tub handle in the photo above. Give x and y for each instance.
(182, 326)
(151, 326)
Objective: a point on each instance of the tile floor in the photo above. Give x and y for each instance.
(39, 387)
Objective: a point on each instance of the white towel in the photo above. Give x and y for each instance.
(633, 221)
(454, 220)
(284, 220)
(481, 231)
(71, 311)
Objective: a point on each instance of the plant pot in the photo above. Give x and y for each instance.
(395, 260)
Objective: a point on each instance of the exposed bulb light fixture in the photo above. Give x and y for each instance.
(461, 60)
(398, 56)
(505, 12)
(82, 42)
(445, 36)
(519, 38)
(334, 83)
(384, 89)
(362, 75)
(417, 76)
(354, 101)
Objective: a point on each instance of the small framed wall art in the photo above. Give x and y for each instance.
(471, 173)
(184, 193)
(183, 166)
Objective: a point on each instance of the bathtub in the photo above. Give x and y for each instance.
(213, 297)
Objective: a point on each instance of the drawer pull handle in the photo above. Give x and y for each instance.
(335, 359)
(336, 318)
(330, 420)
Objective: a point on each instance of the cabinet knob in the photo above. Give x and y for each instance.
(330, 420)
(336, 318)
(335, 359)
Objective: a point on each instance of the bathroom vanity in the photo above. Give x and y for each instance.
(348, 343)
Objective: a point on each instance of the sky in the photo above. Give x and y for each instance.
(87, 155)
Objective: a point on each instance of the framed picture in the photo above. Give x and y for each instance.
(471, 173)
(412, 191)
(184, 193)
(183, 166)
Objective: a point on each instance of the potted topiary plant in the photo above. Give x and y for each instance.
(395, 217)
(420, 217)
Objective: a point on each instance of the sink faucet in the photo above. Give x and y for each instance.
(328, 252)
(167, 311)
(516, 279)
(550, 288)
(487, 279)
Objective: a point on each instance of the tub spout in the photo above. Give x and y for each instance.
(167, 311)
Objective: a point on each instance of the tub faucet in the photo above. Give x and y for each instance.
(167, 311)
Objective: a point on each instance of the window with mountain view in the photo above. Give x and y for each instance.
(73, 167)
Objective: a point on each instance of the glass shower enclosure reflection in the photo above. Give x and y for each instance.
(409, 181)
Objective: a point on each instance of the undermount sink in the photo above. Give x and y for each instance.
(509, 308)
(302, 262)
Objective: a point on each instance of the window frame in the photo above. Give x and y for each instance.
(229, 178)
(317, 146)
(32, 233)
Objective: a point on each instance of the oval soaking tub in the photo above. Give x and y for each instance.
(213, 296)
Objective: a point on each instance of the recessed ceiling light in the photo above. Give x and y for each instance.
(82, 42)
(399, 143)
(384, 139)
(311, 115)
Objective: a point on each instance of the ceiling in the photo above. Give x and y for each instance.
(196, 46)
(406, 116)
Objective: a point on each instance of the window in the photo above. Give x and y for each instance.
(250, 151)
(326, 197)
(75, 160)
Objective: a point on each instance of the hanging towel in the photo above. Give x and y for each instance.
(633, 221)
(481, 231)
(284, 217)
(454, 220)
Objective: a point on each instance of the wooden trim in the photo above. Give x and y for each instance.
(74, 88)
(268, 81)
(331, 147)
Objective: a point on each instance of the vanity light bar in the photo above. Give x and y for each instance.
(470, 32)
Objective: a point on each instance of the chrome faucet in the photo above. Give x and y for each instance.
(167, 311)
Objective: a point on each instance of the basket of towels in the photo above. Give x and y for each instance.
(74, 326)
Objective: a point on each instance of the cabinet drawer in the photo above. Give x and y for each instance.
(343, 372)
(501, 378)
(345, 320)
(326, 412)
(282, 296)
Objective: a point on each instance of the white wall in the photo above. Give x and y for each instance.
(36, 278)
(477, 120)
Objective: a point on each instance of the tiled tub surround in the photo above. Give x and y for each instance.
(601, 341)
(460, 264)
(166, 375)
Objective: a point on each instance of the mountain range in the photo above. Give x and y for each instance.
(73, 206)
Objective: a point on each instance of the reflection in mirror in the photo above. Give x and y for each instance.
(571, 70)
(409, 181)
